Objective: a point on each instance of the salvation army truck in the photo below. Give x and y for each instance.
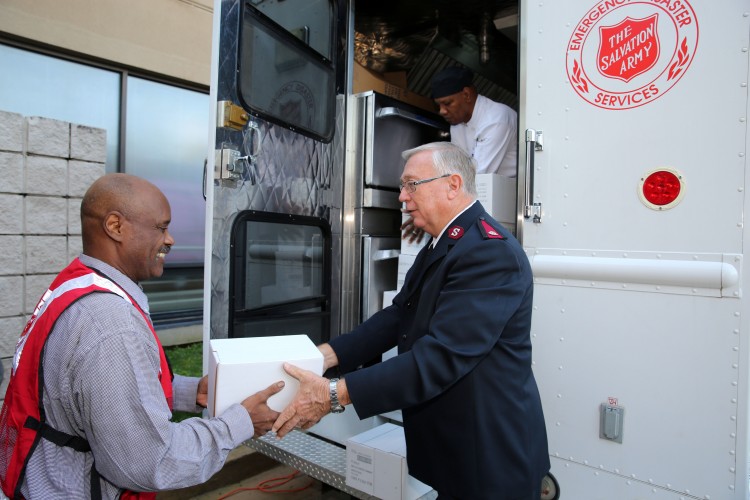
(630, 200)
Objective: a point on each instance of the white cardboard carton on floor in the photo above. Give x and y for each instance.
(376, 464)
(238, 368)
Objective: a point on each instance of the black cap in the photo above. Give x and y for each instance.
(451, 80)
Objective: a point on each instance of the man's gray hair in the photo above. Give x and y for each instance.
(448, 158)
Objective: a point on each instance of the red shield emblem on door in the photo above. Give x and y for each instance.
(628, 48)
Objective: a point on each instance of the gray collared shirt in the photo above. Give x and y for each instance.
(100, 382)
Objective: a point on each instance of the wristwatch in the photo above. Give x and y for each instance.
(336, 407)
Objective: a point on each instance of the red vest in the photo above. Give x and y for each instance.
(22, 420)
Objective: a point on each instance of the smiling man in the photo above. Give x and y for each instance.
(472, 414)
(88, 406)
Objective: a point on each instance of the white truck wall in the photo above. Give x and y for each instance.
(636, 305)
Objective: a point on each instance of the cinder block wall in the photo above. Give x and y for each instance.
(45, 168)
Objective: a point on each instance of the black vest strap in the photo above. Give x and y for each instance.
(63, 439)
(57, 437)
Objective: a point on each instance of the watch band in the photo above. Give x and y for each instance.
(336, 407)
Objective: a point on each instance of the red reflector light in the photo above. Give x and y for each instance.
(662, 187)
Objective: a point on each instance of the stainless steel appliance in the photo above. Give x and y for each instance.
(371, 210)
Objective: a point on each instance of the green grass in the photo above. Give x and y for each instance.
(185, 360)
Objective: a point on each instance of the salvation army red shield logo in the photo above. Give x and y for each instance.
(624, 54)
(455, 232)
(628, 48)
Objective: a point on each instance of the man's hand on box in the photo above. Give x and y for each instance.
(263, 417)
(201, 398)
(311, 403)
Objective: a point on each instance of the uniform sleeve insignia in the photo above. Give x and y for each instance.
(489, 232)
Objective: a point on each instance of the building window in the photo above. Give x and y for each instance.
(166, 142)
(34, 84)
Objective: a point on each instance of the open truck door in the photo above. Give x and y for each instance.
(631, 197)
(631, 209)
(302, 202)
(278, 77)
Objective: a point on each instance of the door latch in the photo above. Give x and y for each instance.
(229, 164)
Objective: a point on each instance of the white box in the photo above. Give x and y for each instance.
(390, 353)
(388, 297)
(238, 368)
(497, 194)
(376, 465)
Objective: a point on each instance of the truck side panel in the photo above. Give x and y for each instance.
(638, 296)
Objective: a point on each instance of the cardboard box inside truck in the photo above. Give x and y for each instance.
(365, 80)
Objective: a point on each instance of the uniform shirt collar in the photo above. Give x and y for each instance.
(435, 240)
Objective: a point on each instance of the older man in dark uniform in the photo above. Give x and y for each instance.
(472, 414)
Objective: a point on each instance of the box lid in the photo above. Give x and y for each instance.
(374, 433)
(263, 349)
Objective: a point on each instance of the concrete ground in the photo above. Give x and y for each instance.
(244, 471)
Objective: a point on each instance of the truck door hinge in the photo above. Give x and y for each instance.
(230, 115)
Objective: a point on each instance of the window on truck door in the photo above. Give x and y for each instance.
(280, 276)
(286, 64)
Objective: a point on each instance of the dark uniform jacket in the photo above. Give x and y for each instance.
(472, 413)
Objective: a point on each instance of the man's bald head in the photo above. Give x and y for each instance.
(119, 212)
(113, 192)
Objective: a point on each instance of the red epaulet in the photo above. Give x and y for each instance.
(489, 232)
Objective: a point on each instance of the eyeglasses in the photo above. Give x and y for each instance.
(411, 186)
